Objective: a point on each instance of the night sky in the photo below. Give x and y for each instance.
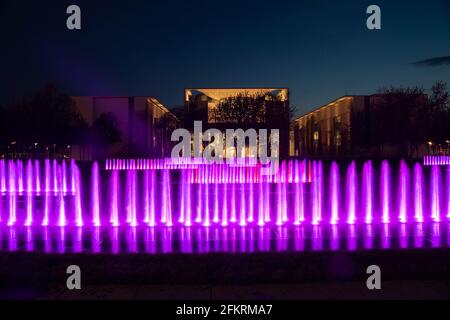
(321, 50)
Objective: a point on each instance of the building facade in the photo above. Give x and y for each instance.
(145, 123)
(240, 108)
(339, 128)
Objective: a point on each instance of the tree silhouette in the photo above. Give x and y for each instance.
(254, 111)
(47, 116)
(240, 109)
(105, 131)
(49, 119)
(439, 108)
(407, 118)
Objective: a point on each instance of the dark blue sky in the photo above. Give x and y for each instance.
(319, 49)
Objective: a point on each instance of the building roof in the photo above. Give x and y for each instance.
(222, 93)
(331, 103)
(155, 102)
(158, 104)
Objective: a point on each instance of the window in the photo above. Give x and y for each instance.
(337, 131)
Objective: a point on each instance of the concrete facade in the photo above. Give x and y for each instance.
(337, 128)
(145, 123)
(201, 105)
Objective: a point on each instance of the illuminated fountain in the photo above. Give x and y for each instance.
(25, 203)
(367, 191)
(194, 194)
(162, 194)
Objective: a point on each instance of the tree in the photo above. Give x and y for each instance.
(105, 131)
(46, 116)
(3, 132)
(407, 118)
(2, 123)
(396, 119)
(438, 104)
(256, 111)
(241, 109)
(252, 109)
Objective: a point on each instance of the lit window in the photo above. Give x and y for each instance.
(316, 135)
(338, 138)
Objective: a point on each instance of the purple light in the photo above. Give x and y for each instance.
(55, 177)
(284, 184)
(167, 200)
(279, 204)
(367, 201)
(2, 177)
(19, 173)
(45, 221)
(30, 243)
(29, 220)
(198, 218)
(216, 218)
(37, 172)
(418, 194)
(220, 195)
(187, 213)
(267, 202)
(77, 191)
(62, 206)
(114, 199)
(206, 222)
(351, 193)
(147, 198)
(64, 177)
(334, 191)
(436, 160)
(152, 221)
(232, 205)
(298, 195)
(385, 191)
(251, 204)
(317, 192)
(403, 191)
(95, 189)
(131, 198)
(225, 205)
(448, 191)
(12, 193)
(435, 193)
(368, 237)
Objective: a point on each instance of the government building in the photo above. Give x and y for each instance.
(240, 108)
(338, 128)
(145, 123)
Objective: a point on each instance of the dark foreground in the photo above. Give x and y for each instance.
(406, 274)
